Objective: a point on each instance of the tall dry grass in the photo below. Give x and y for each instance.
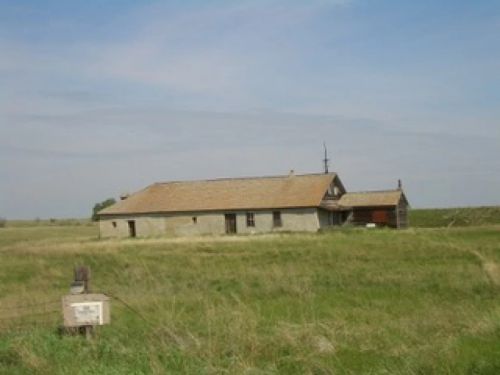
(354, 301)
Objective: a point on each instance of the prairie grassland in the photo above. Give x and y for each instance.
(418, 301)
(455, 217)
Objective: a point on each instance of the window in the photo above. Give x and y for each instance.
(195, 219)
(114, 224)
(250, 219)
(277, 219)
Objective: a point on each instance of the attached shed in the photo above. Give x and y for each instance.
(383, 208)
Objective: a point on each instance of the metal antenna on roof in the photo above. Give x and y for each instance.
(325, 160)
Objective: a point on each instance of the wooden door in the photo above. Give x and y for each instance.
(380, 216)
(230, 223)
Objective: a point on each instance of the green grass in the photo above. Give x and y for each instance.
(458, 217)
(48, 222)
(418, 301)
(46, 234)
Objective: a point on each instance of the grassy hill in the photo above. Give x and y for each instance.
(458, 217)
(419, 301)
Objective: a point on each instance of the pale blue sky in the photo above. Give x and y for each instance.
(103, 97)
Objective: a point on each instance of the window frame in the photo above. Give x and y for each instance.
(250, 216)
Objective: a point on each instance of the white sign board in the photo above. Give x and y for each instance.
(86, 310)
(88, 313)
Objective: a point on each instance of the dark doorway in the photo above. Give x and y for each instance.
(131, 228)
(230, 223)
(339, 217)
(336, 218)
(277, 219)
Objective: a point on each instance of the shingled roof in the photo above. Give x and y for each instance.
(372, 198)
(226, 194)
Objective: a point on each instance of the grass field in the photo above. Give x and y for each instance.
(454, 217)
(419, 301)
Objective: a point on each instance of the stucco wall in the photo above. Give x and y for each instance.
(206, 223)
(300, 219)
(144, 226)
(296, 219)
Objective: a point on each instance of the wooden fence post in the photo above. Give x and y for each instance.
(82, 274)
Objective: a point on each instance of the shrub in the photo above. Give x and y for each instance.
(100, 206)
(3, 222)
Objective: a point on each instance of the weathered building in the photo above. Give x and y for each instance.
(382, 208)
(239, 205)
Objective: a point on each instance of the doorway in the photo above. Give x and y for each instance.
(131, 228)
(380, 217)
(336, 218)
(230, 223)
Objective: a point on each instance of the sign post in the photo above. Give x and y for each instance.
(83, 310)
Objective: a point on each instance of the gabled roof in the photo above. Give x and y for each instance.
(372, 198)
(226, 194)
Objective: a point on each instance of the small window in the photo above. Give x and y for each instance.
(250, 219)
(195, 219)
(277, 219)
(114, 224)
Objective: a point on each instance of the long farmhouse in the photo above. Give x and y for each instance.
(250, 205)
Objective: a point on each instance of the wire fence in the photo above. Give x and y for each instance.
(52, 311)
(44, 314)
(28, 315)
(28, 306)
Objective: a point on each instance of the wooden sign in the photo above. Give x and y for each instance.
(82, 310)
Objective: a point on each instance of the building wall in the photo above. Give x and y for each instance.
(383, 216)
(153, 225)
(334, 218)
(182, 224)
(402, 212)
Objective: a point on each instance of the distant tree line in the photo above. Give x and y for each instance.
(100, 206)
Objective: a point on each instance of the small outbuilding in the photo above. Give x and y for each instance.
(382, 208)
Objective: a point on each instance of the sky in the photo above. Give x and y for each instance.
(100, 98)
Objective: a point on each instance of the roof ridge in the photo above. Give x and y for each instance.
(374, 191)
(242, 178)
